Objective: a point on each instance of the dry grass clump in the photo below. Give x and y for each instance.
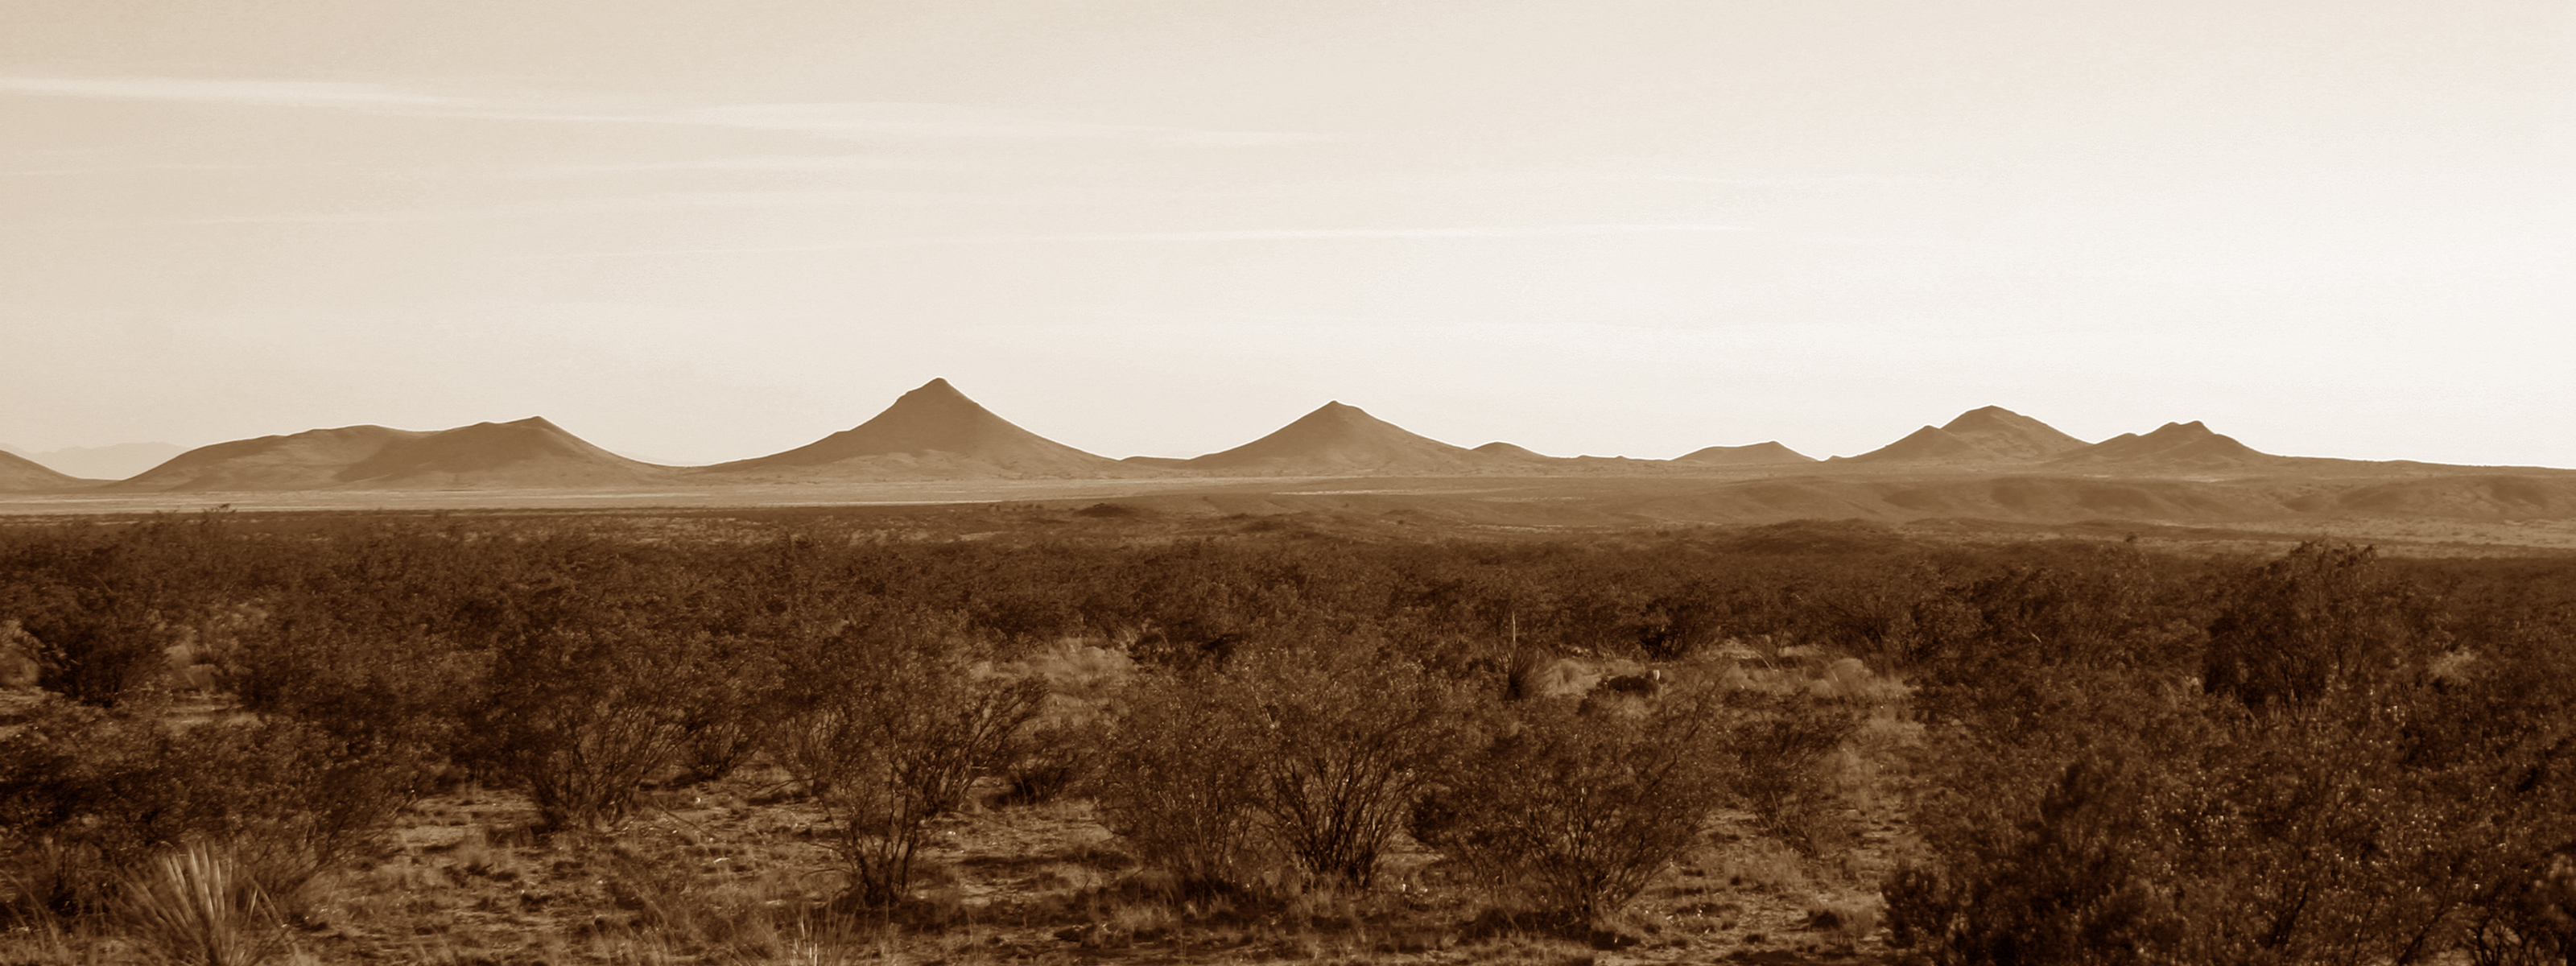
(197, 906)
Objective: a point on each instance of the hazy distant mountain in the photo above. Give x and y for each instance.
(933, 431)
(531, 453)
(19, 474)
(103, 462)
(1757, 454)
(313, 459)
(1338, 439)
(1503, 449)
(2010, 435)
(1991, 434)
(2173, 446)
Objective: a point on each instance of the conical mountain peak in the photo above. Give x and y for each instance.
(934, 430)
(1757, 454)
(1338, 438)
(1988, 434)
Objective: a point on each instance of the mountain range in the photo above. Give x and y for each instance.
(935, 432)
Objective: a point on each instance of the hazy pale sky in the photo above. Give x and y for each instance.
(697, 231)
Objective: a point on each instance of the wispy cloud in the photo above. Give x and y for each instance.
(124, 168)
(1326, 234)
(791, 164)
(1799, 180)
(1232, 235)
(871, 121)
(629, 204)
(264, 93)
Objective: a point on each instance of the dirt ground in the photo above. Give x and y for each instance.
(733, 871)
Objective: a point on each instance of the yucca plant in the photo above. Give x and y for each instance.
(196, 906)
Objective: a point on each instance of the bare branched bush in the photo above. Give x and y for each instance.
(1573, 813)
(87, 794)
(1179, 777)
(1779, 752)
(1348, 738)
(889, 721)
(584, 716)
(1062, 748)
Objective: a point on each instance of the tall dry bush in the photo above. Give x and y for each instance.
(2322, 619)
(2351, 789)
(1062, 748)
(1348, 737)
(583, 714)
(1179, 778)
(889, 720)
(1575, 813)
(1777, 747)
(87, 794)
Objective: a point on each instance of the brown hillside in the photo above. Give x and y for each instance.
(310, 460)
(1931, 444)
(2173, 447)
(1757, 454)
(1991, 434)
(932, 431)
(529, 453)
(2010, 435)
(1338, 439)
(19, 474)
(1511, 451)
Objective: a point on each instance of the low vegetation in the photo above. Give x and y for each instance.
(327, 739)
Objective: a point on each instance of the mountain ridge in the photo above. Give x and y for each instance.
(935, 431)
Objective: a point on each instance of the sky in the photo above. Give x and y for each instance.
(715, 229)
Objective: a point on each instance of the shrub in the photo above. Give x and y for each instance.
(2324, 618)
(1347, 739)
(1778, 750)
(1577, 813)
(583, 716)
(1062, 748)
(889, 721)
(195, 906)
(86, 794)
(1178, 780)
(2076, 883)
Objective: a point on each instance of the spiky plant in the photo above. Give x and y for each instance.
(196, 906)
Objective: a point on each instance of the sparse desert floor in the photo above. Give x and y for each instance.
(729, 872)
(2226, 516)
(1962, 687)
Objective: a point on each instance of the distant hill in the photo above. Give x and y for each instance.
(1337, 439)
(2010, 435)
(2173, 447)
(1500, 448)
(310, 460)
(19, 474)
(1758, 454)
(933, 431)
(529, 453)
(103, 462)
(1989, 435)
